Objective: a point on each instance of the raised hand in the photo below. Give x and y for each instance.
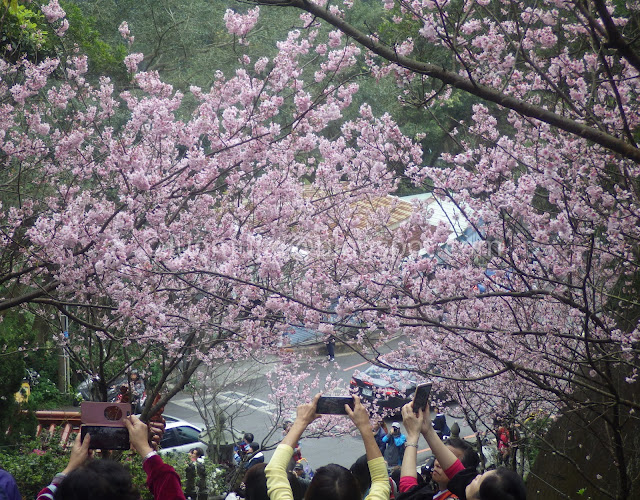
(138, 435)
(413, 423)
(359, 415)
(80, 453)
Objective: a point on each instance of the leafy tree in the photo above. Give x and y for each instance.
(14, 339)
(23, 32)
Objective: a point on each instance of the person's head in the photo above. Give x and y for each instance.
(465, 452)
(195, 453)
(360, 470)
(248, 438)
(298, 470)
(438, 474)
(498, 484)
(255, 483)
(254, 447)
(395, 428)
(134, 375)
(99, 480)
(335, 482)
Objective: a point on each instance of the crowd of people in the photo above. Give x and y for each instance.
(387, 470)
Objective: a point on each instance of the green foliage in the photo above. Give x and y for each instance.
(186, 42)
(12, 5)
(535, 427)
(12, 370)
(104, 58)
(216, 474)
(46, 396)
(24, 30)
(34, 463)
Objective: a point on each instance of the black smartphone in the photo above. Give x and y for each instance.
(333, 405)
(106, 438)
(421, 397)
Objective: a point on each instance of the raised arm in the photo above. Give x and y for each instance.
(278, 487)
(306, 414)
(360, 417)
(380, 488)
(443, 454)
(412, 425)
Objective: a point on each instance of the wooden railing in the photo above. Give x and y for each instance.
(68, 421)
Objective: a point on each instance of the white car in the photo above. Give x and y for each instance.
(180, 437)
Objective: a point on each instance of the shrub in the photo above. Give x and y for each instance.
(46, 396)
(34, 463)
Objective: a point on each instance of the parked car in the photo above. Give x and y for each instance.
(180, 437)
(392, 389)
(388, 389)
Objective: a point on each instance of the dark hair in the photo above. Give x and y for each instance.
(99, 480)
(394, 473)
(197, 451)
(255, 483)
(470, 458)
(335, 482)
(254, 446)
(248, 437)
(503, 484)
(360, 470)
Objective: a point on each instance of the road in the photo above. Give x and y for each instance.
(256, 415)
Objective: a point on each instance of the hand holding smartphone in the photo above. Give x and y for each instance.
(333, 405)
(421, 397)
(104, 422)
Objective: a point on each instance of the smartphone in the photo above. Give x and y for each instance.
(421, 397)
(334, 405)
(106, 438)
(105, 423)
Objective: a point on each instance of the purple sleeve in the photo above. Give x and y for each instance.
(9, 485)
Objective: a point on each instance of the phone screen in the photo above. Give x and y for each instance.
(333, 405)
(106, 438)
(421, 397)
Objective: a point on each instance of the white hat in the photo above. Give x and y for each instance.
(396, 425)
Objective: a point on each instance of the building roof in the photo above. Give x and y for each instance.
(400, 209)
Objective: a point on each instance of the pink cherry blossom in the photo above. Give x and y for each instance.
(53, 11)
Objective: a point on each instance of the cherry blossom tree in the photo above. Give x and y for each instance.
(547, 171)
(194, 240)
(180, 241)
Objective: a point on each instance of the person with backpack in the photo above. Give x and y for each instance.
(395, 442)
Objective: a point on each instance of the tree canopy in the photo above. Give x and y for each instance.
(197, 224)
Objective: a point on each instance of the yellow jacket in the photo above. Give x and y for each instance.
(278, 485)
